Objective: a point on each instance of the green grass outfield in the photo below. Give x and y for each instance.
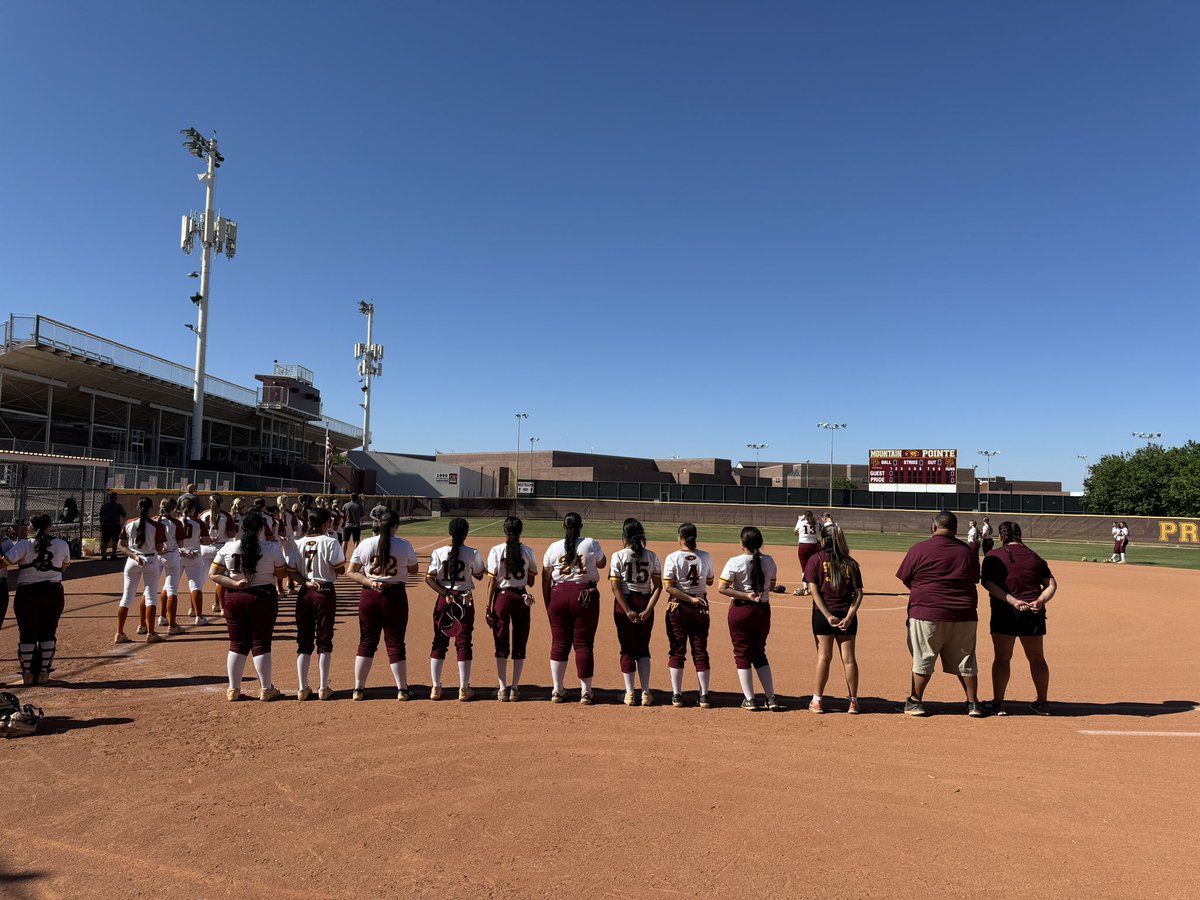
(1142, 555)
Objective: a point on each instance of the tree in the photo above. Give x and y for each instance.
(1153, 481)
(844, 484)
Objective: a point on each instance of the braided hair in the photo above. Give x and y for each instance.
(1010, 533)
(635, 537)
(687, 534)
(251, 550)
(572, 525)
(752, 541)
(41, 541)
(842, 566)
(514, 559)
(459, 529)
(144, 507)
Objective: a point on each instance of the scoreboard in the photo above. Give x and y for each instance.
(918, 471)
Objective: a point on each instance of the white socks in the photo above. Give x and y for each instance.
(585, 685)
(235, 666)
(502, 670)
(768, 682)
(518, 667)
(705, 679)
(628, 676)
(558, 674)
(400, 673)
(303, 660)
(676, 680)
(362, 668)
(262, 665)
(643, 667)
(435, 671)
(464, 673)
(746, 679)
(324, 662)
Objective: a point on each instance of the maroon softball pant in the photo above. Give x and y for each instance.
(383, 612)
(687, 623)
(315, 610)
(38, 607)
(462, 640)
(512, 624)
(805, 552)
(574, 616)
(250, 617)
(634, 637)
(749, 625)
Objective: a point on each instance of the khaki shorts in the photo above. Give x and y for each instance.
(954, 642)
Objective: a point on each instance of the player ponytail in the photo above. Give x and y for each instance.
(41, 539)
(166, 506)
(687, 534)
(251, 550)
(752, 541)
(384, 527)
(459, 529)
(514, 559)
(214, 504)
(1010, 533)
(810, 519)
(635, 537)
(144, 507)
(573, 526)
(842, 566)
(316, 520)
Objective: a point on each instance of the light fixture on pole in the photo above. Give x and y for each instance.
(1148, 436)
(216, 233)
(532, 441)
(370, 365)
(1083, 456)
(807, 469)
(989, 454)
(756, 448)
(833, 428)
(517, 472)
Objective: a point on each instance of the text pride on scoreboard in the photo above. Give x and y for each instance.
(920, 471)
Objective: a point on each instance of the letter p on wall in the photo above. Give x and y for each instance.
(1179, 532)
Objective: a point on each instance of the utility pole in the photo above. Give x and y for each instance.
(989, 454)
(215, 233)
(517, 471)
(370, 364)
(833, 428)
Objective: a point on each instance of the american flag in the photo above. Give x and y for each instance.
(328, 457)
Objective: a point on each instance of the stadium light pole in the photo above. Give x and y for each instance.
(1148, 436)
(757, 472)
(532, 441)
(1083, 456)
(833, 428)
(216, 233)
(517, 472)
(370, 364)
(989, 454)
(807, 469)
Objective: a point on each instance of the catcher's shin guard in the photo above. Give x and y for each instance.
(47, 648)
(25, 654)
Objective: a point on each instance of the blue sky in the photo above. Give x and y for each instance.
(658, 228)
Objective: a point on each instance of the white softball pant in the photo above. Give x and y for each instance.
(170, 571)
(135, 575)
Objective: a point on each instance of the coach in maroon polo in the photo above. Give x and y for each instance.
(941, 575)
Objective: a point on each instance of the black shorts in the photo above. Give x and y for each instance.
(109, 534)
(820, 625)
(352, 533)
(1006, 620)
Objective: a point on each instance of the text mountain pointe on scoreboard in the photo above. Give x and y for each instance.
(919, 471)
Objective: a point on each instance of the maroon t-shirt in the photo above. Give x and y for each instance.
(941, 574)
(1018, 570)
(817, 573)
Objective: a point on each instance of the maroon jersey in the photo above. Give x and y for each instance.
(817, 573)
(941, 574)
(1016, 569)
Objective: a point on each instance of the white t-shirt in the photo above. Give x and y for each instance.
(689, 570)
(155, 533)
(985, 530)
(497, 566)
(395, 570)
(219, 531)
(585, 568)
(228, 561)
(440, 567)
(633, 573)
(972, 534)
(33, 570)
(170, 533)
(1122, 533)
(315, 557)
(809, 534)
(737, 573)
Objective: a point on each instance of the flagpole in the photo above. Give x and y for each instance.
(328, 459)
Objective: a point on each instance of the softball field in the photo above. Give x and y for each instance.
(145, 782)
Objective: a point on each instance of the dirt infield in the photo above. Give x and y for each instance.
(146, 782)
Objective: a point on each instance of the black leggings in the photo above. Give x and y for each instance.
(3, 597)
